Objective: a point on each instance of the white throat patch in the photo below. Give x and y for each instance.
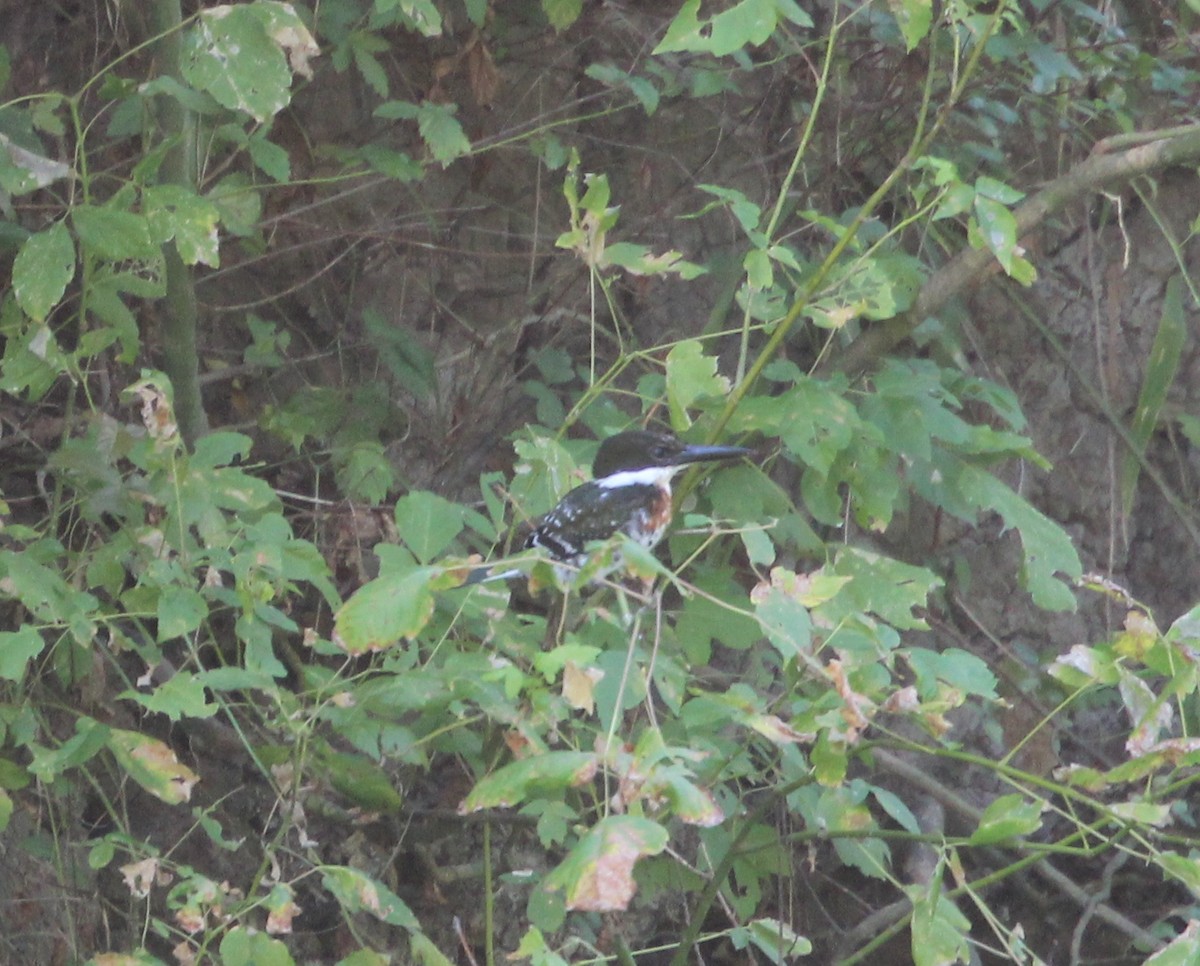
(647, 476)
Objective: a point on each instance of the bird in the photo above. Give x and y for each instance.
(630, 493)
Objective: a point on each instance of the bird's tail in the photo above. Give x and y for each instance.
(483, 576)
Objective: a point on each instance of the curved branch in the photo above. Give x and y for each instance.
(1099, 170)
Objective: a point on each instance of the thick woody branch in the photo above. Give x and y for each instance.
(1099, 171)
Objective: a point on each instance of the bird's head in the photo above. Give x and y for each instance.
(642, 449)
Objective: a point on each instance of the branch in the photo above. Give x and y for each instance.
(1099, 170)
(180, 355)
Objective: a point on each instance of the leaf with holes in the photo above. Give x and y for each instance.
(42, 269)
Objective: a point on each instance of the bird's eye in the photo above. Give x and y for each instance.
(660, 452)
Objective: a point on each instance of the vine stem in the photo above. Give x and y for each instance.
(181, 359)
(922, 138)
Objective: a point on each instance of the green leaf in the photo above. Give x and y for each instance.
(106, 304)
(939, 929)
(1048, 550)
(997, 190)
(775, 939)
(23, 171)
(895, 806)
(234, 679)
(424, 953)
(842, 809)
(812, 420)
(687, 801)
(545, 471)
(153, 765)
(1083, 665)
(534, 947)
(43, 590)
(783, 615)
(428, 523)
(747, 213)
(914, 18)
(406, 357)
(42, 269)
(391, 607)
(220, 448)
(12, 776)
(1185, 629)
(442, 132)
(476, 11)
(392, 164)
(760, 548)
(562, 13)
(236, 54)
(547, 774)
(363, 471)
(112, 233)
(368, 65)
(1141, 813)
(182, 696)
(956, 667)
(176, 212)
(6, 809)
(640, 260)
(269, 158)
(239, 204)
(750, 22)
(889, 589)
(691, 375)
(612, 76)
(33, 361)
(17, 649)
(1008, 817)
(357, 892)
(760, 273)
(1184, 949)
(89, 738)
(1161, 367)
(419, 15)
(704, 621)
(1185, 869)
(997, 229)
(180, 611)
(244, 947)
(362, 781)
(439, 128)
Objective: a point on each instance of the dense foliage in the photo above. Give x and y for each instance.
(244, 688)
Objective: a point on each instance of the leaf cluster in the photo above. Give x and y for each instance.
(696, 726)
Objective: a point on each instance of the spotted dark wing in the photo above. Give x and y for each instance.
(591, 512)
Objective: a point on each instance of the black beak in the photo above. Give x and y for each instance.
(708, 454)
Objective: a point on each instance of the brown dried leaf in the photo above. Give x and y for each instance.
(482, 74)
(579, 686)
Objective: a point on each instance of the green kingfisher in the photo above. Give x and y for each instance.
(630, 492)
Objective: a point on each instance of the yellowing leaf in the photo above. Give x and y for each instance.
(514, 782)
(387, 609)
(579, 686)
(152, 765)
(597, 875)
(358, 892)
